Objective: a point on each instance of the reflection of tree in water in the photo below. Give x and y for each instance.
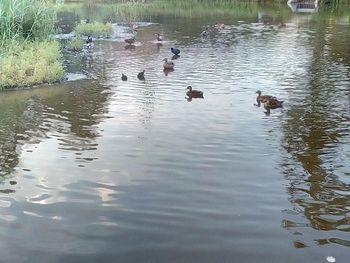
(71, 113)
(315, 135)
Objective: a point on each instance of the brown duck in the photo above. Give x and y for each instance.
(262, 98)
(168, 65)
(130, 41)
(271, 104)
(159, 37)
(194, 93)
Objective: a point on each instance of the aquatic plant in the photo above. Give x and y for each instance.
(95, 29)
(75, 44)
(28, 63)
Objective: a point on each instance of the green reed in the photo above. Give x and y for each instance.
(26, 19)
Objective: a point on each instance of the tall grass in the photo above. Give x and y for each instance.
(27, 56)
(140, 10)
(28, 19)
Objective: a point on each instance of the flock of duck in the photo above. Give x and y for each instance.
(269, 102)
(168, 66)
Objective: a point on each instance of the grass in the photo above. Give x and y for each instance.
(129, 11)
(27, 55)
(75, 44)
(95, 29)
(26, 19)
(28, 63)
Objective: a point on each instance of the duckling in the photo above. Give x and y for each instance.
(194, 93)
(263, 98)
(130, 41)
(168, 65)
(124, 77)
(159, 37)
(175, 51)
(141, 75)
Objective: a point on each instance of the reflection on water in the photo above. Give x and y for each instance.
(104, 169)
(316, 130)
(28, 117)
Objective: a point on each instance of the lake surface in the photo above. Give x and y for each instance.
(101, 170)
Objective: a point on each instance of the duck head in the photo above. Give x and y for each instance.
(258, 92)
(189, 88)
(166, 60)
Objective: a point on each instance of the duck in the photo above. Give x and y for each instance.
(204, 33)
(262, 98)
(271, 104)
(175, 51)
(124, 77)
(130, 41)
(89, 40)
(141, 75)
(89, 43)
(219, 25)
(159, 37)
(168, 65)
(194, 93)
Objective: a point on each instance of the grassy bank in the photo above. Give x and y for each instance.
(138, 10)
(27, 63)
(27, 56)
(124, 10)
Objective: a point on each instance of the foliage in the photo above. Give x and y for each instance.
(95, 29)
(28, 63)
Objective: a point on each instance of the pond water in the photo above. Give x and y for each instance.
(101, 170)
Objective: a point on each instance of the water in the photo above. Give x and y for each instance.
(101, 170)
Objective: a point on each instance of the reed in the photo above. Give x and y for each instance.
(143, 10)
(26, 19)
